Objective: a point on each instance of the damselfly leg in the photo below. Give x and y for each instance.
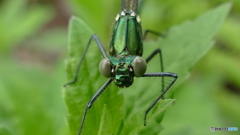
(99, 44)
(90, 103)
(98, 93)
(161, 74)
(155, 52)
(152, 32)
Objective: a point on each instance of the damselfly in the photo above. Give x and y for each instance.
(125, 61)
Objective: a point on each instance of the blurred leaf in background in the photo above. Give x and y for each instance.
(31, 55)
(18, 22)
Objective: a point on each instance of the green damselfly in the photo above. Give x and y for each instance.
(125, 61)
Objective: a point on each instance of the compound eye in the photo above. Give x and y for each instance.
(105, 68)
(139, 66)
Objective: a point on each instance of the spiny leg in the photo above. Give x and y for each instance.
(154, 53)
(163, 74)
(153, 32)
(90, 103)
(99, 44)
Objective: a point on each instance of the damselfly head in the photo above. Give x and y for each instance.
(123, 75)
(120, 70)
(123, 70)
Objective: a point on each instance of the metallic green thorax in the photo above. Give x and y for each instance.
(125, 45)
(127, 36)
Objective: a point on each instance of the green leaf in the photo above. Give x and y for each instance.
(183, 46)
(191, 41)
(134, 124)
(89, 81)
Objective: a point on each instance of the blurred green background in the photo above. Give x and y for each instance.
(33, 48)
